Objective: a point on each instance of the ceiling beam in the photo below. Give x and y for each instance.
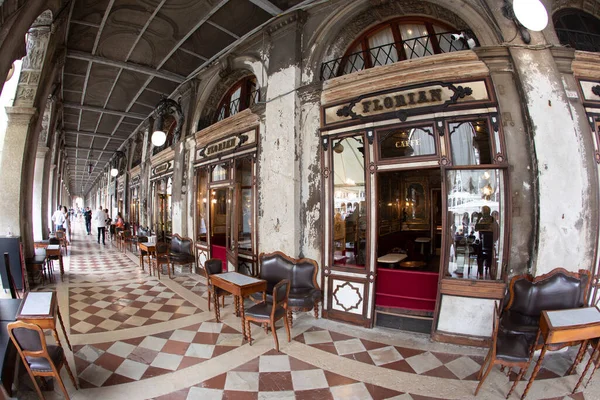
(89, 149)
(169, 76)
(94, 134)
(219, 27)
(105, 110)
(267, 6)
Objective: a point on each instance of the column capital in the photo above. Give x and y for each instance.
(20, 115)
(42, 151)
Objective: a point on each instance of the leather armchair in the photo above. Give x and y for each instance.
(181, 251)
(529, 296)
(305, 293)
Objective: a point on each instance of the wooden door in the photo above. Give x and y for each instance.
(233, 201)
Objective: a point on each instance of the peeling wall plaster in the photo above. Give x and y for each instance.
(563, 179)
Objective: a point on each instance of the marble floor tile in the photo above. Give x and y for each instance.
(242, 381)
(310, 379)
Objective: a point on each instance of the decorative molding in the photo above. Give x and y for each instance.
(351, 288)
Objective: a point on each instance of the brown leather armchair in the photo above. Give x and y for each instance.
(528, 297)
(181, 251)
(305, 294)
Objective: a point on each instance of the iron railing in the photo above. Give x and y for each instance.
(579, 40)
(393, 52)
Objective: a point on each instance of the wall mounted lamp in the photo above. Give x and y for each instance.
(528, 15)
(166, 107)
(115, 163)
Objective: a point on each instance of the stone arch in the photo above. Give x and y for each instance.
(589, 6)
(346, 23)
(219, 81)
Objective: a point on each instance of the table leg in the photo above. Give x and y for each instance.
(55, 334)
(62, 267)
(586, 367)
(578, 358)
(216, 304)
(535, 370)
(142, 260)
(236, 305)
(63, 329)
(243, 315)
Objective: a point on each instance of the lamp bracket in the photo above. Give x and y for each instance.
(168, 106)
(509, 13)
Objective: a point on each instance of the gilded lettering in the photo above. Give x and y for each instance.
(366, 106)
(423, 97)
(400, 100)
(435, 94)
(411, 98)
(388, 102)
(377, 106)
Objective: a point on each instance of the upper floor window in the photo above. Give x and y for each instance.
(397, 40)
(577, 29)
(242, 95)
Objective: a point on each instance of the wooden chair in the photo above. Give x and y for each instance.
(507, 350)
(62, 236)
(39, 359)
(268, 314)
(127, 240)
(160, 258)
(211, 267)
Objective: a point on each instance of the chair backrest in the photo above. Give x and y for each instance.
(275, 267)
(557, 290)
(28, 339)
(182, 244)
(213, 266)
(281, 292)
(54, 241)
(162, 248)
(126, 233)
(60, 234)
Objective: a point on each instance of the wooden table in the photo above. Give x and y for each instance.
(41, 308)
(412, 264)
(564, 326)
(149, 248)
(53, 250)
(240, 286)
(391, 258)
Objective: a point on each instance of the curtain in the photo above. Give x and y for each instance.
(461, 142)
(426, 142)
(418, 47)
(387, 53)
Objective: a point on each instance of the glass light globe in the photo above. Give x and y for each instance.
(159, 138)
(531, 13)
(114, 172)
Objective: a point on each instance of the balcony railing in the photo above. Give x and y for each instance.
(393, 52)
(579, 40)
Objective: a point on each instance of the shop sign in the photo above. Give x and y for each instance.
(121, 186)
(162, 168)
(135, 180)
(406, 102)
(590, 90)
(226, 145)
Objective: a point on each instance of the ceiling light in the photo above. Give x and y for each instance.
(531, 13)
(159, 138)
(114, 172)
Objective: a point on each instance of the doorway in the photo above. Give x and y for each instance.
(408, 247)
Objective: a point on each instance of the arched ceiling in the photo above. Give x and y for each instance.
(122, 55)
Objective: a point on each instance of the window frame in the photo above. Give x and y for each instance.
(246, 86)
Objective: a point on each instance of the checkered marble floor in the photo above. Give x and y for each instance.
(113, 363)
(278, 376)
(421, 362)
(107, 302)
(108, 308)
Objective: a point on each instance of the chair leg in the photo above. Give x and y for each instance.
(487, 358)
(287, 328)
(223, 300)
(265, 328)
(487, 372)
(290, 317)
(514, 385)
(274, 332)
(35, 383)
(209, 296)
(70, 374)
(316, 310)
(62, 385)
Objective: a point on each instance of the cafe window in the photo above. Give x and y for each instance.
(470, 142)
(242, 95)
(400, 39)
(245, 208)
(577, 29)
(202, 206)
(476, 222)
(220, 172)
(407, 142)
(350, 207)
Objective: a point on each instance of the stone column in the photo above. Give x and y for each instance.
(39, 225)
(279, 183)
(11, 165)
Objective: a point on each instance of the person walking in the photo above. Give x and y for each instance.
(87, 214)
(67, 225)
(100, 219)
(58, 218)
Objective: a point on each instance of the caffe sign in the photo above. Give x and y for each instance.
(403, 103)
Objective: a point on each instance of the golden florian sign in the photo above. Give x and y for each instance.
(404, 103)
(227, 145)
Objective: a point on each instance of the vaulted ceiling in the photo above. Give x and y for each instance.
(122, 55)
